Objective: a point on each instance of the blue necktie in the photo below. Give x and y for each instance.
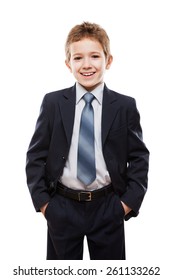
(86, 170)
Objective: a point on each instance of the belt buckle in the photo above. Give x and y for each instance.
(87, 193)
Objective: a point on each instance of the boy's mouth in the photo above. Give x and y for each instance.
(88, 74)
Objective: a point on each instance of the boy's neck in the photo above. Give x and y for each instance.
(101, 86)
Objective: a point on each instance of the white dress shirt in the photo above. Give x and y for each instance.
(69, 176)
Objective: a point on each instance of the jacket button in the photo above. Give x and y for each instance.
(63, 158)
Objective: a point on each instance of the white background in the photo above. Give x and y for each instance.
(32, 37)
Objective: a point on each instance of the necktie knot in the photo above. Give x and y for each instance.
(88, 97)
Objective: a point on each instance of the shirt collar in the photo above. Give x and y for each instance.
(97, 92)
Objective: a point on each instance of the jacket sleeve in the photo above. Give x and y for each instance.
(137, 163)
(36, 159)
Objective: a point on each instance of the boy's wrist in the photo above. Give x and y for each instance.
(127, 209)
(43, 208)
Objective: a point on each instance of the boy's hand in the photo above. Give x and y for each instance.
(126, 208)
(43, 208)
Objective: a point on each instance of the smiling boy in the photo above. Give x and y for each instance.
(88, 62)
(87, 164)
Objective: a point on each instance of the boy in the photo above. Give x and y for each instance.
(87, 164)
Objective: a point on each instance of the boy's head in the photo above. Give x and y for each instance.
(88, 54)
(88, 30)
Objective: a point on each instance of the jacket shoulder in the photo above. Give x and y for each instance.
(58, 94)
(122, 97)
(119, 97)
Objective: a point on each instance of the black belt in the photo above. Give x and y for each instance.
(81, 195)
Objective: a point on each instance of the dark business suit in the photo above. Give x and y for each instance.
(125, 154)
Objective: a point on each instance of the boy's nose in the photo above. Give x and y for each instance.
(86, 63)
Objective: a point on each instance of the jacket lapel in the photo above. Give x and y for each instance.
(67, 108)
(108, 111)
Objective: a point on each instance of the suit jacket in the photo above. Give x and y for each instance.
(124, 151)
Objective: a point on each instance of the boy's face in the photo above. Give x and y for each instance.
(88, 63)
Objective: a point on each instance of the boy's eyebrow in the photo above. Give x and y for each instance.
(77, 54)
(89, 53)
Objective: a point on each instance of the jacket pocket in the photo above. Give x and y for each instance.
(116, 132)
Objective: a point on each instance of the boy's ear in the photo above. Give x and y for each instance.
(109, 61)
(68, 65)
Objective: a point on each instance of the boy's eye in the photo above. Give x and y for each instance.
(95, 56)
(77, 58)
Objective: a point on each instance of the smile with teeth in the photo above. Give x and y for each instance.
(88, 74)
